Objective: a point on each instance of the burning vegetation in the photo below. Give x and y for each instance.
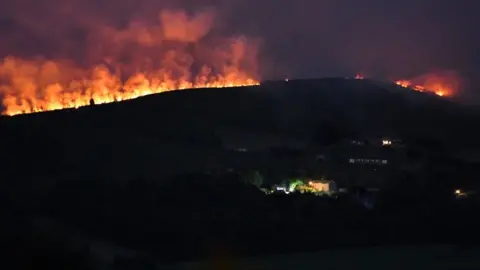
(439, 84)
(179, 52)
(438, 89)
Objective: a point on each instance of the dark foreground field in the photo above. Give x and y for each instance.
(201, 218)
(383, 257)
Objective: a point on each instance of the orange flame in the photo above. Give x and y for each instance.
(37, 86)
(438, 89)
(130, 63)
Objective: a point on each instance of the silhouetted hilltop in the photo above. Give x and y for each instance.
(175, 131)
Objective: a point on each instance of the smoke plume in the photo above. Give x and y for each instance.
(75, 56)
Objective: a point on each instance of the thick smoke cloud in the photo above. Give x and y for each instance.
(387, 39)
(97, 55)
(178, 26)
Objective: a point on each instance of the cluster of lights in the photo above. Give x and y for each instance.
(386, 142)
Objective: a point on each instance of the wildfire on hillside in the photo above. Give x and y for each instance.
(443, 84)
(438, 89)
(128, 63)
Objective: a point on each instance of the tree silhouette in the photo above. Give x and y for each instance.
(254, 178)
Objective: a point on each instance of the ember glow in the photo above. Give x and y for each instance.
(408, 84)
(177, 53)
(359, 77)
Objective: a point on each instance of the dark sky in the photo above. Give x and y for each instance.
(303, 38)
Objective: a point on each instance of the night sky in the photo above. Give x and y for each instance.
(305, 38)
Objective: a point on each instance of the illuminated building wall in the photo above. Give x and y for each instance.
(321, 186)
